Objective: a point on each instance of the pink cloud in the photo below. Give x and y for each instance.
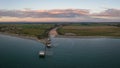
(59, 15)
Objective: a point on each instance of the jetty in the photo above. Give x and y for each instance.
(52, 33)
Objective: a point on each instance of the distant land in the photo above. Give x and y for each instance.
(56, 22)
(40, 29)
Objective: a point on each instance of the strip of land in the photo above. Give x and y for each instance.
(53, 32)
(38, 32)
(89, 30)
(41, 32)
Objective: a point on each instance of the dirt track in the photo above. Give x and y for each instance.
(53, 32)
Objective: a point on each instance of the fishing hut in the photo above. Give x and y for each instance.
(48, 43)
(42, 53)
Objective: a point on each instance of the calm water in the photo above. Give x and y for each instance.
(65, 53)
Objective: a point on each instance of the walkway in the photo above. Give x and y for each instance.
(53, 32)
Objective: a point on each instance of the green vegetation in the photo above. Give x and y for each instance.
(33, 30)
(90, 30)
(41, 30)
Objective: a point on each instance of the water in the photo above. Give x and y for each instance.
(65, 53)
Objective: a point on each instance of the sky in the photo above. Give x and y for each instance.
(59, 10)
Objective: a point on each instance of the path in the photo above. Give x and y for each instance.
(53, 32)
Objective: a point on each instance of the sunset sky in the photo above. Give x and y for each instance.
(59, 10)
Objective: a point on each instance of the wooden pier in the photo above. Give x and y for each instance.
(47, 45)
(47, 42)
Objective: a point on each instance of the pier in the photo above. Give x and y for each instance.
(52, 33)
(47, 45)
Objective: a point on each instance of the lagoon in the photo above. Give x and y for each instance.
(65, 53)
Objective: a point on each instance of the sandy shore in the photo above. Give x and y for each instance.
(24, 37)
(55, 34)
(52, 33)
(64, 36)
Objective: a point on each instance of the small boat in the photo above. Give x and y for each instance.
(42, 54)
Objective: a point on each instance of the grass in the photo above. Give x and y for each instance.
(90, 30)
(41, 30)
(35, 30)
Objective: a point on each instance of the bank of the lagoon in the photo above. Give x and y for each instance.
(66, 53)
(24, 37)
(87, 37)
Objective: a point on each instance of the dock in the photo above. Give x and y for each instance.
(52, 33)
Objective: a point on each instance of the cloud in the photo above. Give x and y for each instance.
(109, 13)
(67, 15)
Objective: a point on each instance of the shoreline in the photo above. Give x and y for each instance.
(23, 37)
(58, 36)
(63, 36)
